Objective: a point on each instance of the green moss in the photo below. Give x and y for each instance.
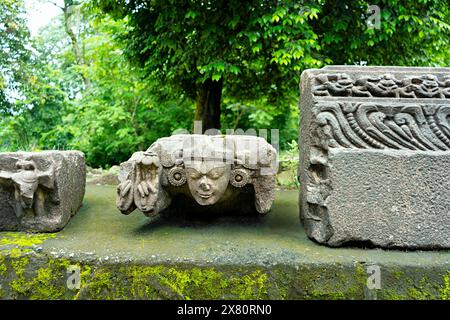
(393, 295)
(397, 274)
(18, 285)
(338, 285)
(36, 283)
(23, 239)
(444, 291)
(100, 285)
(420, 288)
(36, 276)
(47, 283)
(185, 283)
(3, 267)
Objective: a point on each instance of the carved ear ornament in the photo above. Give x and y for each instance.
(177, 176)
(239, 177)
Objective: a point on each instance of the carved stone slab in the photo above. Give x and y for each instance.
(375, 156)
(200, 174)
(40, 191)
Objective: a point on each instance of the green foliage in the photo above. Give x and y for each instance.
(119, 114)
(257, 47)
(414, 33)
(44, 99)
(14, 54)
(132, 77)
(122, 112)
(288, 166)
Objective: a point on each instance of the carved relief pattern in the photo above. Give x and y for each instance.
(384, 86)
(374, 126)
(31, 182)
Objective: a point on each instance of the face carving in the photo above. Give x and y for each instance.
(26, 182)
(207, 180)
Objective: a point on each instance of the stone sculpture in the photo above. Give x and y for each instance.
(209, 174)
(375, 156)
(40, 191)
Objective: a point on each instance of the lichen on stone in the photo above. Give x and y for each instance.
(21, 239)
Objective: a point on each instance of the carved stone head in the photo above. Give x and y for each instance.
(207, 180)
(205, 169)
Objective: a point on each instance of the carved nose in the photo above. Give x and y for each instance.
(204, 185)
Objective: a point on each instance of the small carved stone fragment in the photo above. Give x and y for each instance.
(40, 191)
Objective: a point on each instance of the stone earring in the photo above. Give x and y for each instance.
(239, 178)
(177, 176)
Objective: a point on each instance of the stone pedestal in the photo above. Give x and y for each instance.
(40, 191)
(375, 156)
(244, 257)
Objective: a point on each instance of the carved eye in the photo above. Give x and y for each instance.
(216, 173)
(416, 81)
(193, 174)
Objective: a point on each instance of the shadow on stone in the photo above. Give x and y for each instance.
(183, 213)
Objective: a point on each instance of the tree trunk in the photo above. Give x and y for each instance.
(76, 46)
(208, 104)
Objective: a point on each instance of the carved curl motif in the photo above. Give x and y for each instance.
(383, 86)
(373, 126)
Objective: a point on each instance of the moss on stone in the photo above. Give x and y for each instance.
(178, 282)
(21, 239)
(100, 285)
(3, 267)
(37, 276)
(47, 283)
(444, 291)
(18, 265)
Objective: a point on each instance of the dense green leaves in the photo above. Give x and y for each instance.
(136, 70)
(14, 53)
(119, 114)
(184, 43)
(415, 33)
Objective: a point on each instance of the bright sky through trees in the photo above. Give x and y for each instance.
(40, 12)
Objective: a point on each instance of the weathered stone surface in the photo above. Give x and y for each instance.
(201, 175)
(40, 191)
(267, 257)
(375, 156)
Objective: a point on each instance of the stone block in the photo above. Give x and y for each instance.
(200, 175)
(375, 156)
(40, 191)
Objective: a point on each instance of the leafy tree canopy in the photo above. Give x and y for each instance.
(256, 49)
(14, 53)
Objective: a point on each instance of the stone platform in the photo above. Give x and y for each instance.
(270, 257)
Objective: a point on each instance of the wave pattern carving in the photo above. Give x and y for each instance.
(373, 126)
